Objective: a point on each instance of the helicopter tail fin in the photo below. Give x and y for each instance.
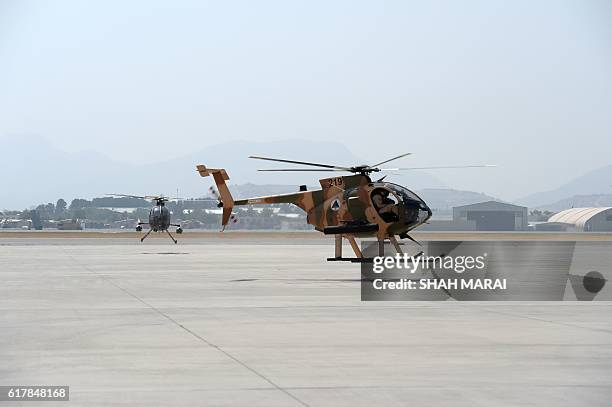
(227, 201)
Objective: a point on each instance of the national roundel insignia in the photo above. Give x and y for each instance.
(335, 205)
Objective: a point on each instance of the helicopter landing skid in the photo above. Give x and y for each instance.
(171, 237)
(352, 259)
(370, 259)
(145, 236)
(359, 254)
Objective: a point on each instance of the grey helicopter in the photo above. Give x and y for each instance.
(159, 216)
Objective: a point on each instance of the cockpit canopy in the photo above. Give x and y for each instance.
(159, 218)
(395, 203)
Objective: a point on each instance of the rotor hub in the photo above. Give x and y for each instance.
(363, 169)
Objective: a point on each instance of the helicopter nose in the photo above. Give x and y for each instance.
(425, 212)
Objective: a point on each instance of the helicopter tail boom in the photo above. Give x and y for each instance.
(220, 176)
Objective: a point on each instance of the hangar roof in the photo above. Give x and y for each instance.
(491, 205)
(577, 216)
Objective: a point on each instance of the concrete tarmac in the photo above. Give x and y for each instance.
(271, 323)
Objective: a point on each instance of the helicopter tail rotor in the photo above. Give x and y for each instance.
(233, 218)
(216, 195)
(226, 201)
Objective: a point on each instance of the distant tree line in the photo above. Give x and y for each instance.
(112, 212)
(537, 215)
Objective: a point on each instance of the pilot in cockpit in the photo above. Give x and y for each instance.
(385, 206)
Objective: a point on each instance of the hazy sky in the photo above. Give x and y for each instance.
(526, 85)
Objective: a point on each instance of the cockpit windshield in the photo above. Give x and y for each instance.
(415, 210)
(395, 203)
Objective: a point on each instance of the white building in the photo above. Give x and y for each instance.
(583, 219)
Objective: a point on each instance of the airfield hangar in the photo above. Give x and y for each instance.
(580, 220)
(492, 216)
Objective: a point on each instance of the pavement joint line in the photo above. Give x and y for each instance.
(192, 333)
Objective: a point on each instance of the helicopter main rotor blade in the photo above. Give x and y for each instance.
(128, 196)
(438, 167)
(300, 163)
(187, 200)
(300, 170)
(390, 159)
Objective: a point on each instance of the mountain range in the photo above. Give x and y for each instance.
(595, 182)
(35, 171)
(579, 201)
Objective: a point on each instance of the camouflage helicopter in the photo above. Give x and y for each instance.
(349, 206)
